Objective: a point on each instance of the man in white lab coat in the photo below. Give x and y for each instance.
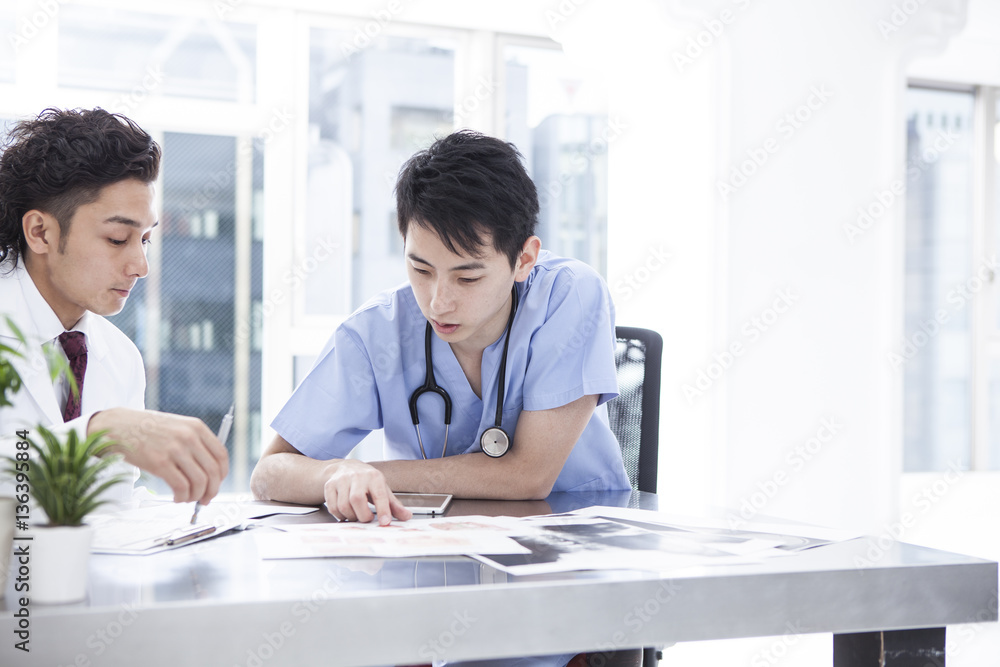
(76, 214)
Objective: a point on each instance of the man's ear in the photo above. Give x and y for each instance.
(526, 260)
(41, 231)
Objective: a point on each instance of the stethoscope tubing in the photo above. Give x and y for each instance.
(430, 385)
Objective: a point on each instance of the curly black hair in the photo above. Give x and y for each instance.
(61, 160)
(464, 185)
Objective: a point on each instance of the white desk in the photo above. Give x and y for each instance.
(217, 604)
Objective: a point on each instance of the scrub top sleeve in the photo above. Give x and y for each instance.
(572, 354)
(336, 405)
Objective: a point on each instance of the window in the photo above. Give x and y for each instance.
(949, 355)
(369, 110)
(346, 99)
(193, 316)
(557, 116)
(109, 49)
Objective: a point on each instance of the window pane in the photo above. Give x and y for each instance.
(996, 195)
(140, 54)
(557, 115)
(993, 456)
(182, 316)
(936, 355)
(369, 110)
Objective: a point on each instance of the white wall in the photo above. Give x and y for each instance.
(774, 249)
(804, 422)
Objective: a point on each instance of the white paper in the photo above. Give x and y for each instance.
(457, 536)
(814, 534)
(146, 530)
(561, 543)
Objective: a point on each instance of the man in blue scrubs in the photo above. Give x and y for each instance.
(467, 211)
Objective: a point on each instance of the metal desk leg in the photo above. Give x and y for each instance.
(896, 648)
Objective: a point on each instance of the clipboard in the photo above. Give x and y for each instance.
(141, 537)
(161, 526)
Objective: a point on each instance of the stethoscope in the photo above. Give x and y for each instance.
(494, 441)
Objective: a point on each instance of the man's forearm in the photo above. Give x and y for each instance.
(291, 478)
(472, 475)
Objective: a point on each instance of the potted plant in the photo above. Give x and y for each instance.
(65, 477)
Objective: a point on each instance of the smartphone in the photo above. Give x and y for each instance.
(425, 503)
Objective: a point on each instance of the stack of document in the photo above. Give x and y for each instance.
(590, 539)
(455, 536)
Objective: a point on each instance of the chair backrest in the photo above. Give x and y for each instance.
(635, 414)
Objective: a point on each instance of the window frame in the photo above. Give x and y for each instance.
(984, 331)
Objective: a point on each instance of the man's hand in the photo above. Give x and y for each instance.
(180, 450)
(352, 485)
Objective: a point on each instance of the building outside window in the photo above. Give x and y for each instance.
(253, 220)
(950, 355)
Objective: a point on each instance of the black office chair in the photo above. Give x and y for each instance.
(635, 416)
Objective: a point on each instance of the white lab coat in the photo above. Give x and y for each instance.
(115, 375)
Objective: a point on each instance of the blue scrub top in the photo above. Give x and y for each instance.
(562, 346)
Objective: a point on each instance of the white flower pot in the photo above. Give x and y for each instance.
(7, 506)
(58, 564)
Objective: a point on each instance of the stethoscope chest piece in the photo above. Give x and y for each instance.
(495, 442)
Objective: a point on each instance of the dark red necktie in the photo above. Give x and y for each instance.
(76, 351)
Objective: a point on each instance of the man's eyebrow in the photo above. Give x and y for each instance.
(470, 266)
(122, 220)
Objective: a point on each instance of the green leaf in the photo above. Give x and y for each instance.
(59, 367)
(10, 381)
(65, 475)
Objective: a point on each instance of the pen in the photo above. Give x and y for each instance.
(185, 537)
(227, 423)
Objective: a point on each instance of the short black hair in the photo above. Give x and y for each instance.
(465, 185)
(61, 160)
